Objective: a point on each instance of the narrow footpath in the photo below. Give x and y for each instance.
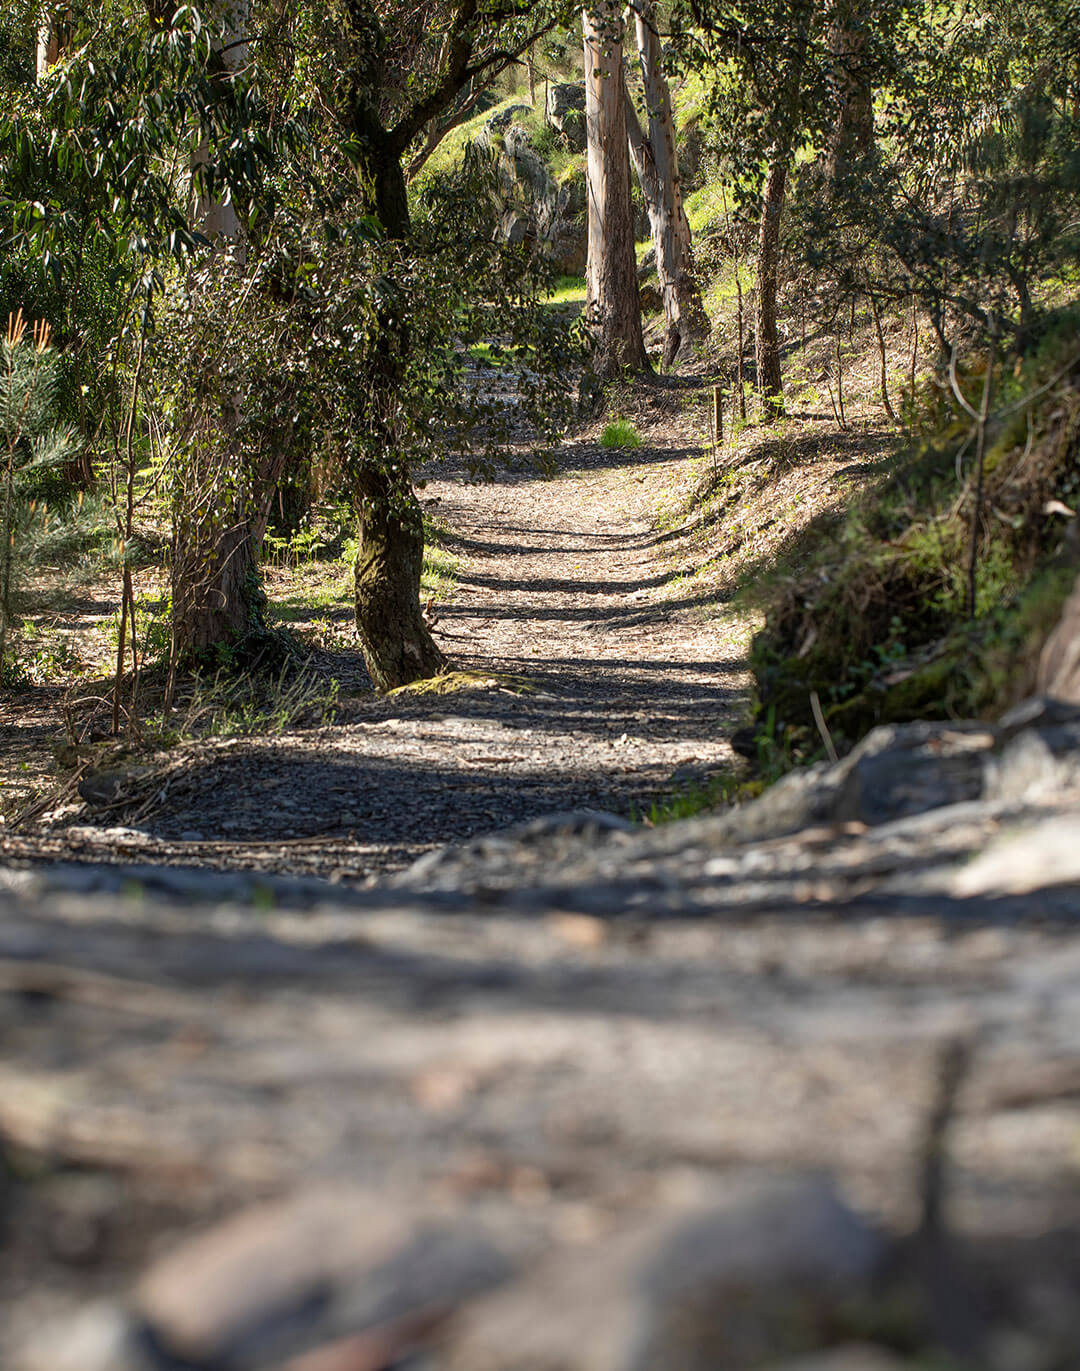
(600, 684)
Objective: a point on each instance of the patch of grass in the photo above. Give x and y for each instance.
(489, 354)
(701, 798)
(567, 290)
(230, 706)
(441, 567)
(451, 150)
(620, 433)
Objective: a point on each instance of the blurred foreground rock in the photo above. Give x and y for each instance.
(575, 1097)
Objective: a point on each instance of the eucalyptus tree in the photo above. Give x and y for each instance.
(766, 63)
(395, 71)
(657, 165)
(613, 303)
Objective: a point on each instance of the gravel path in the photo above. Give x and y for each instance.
(628, 683)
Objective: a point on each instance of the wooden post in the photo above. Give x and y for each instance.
(717, 417)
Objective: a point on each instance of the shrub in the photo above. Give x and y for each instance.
(41, 520)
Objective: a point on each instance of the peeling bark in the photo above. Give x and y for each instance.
(658, 170)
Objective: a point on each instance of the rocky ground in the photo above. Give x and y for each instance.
(798, 1079)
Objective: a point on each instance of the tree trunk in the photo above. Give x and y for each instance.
(48, 46)
(683, 310)
(216, 601)
(769, 380)
(394, 638)
(217, 218)
(397, 645)
(221, 512)
(613, 303)
(852, 134)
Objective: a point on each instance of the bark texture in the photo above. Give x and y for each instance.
(613, 302)
(397, 645)
(658, 170)
(769, 380)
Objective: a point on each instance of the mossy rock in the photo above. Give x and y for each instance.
(452, 682)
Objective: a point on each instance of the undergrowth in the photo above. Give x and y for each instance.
(873, 612)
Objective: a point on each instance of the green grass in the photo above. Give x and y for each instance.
(568, 290)
(687, 804)
(705, 206)
(620, 434)
(441, 567)
(489, 353)
(451, 150)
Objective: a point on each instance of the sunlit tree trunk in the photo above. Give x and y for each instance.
(658, 171)
(216, 216)
(613, 303)
(50, 38)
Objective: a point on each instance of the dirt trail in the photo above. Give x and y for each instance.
(561, 582)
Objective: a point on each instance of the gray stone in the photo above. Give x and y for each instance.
(532, 208)
(1059, 664)
(903, 769)
(501, 122)
(736, 1276)
(565, 112)
(1022, 862)
(109, 787)
(100, 1337)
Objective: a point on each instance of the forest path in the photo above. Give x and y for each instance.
(629, 682)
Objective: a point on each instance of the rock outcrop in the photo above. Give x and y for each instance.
(565, 112)
(533, 208)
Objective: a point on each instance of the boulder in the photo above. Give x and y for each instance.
(331, 1266)
(501, 122)
(565, 112)
(532, 208)
(1059, 665)
(749, 1271)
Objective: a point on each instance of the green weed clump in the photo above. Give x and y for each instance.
(620, 434)
(873, 612)
(697, 798)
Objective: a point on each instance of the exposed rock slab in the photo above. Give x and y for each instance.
(557, 1080)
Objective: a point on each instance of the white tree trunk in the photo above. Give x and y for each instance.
(48, 43)
(217, 218)
(613, 303)
(662, 188)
